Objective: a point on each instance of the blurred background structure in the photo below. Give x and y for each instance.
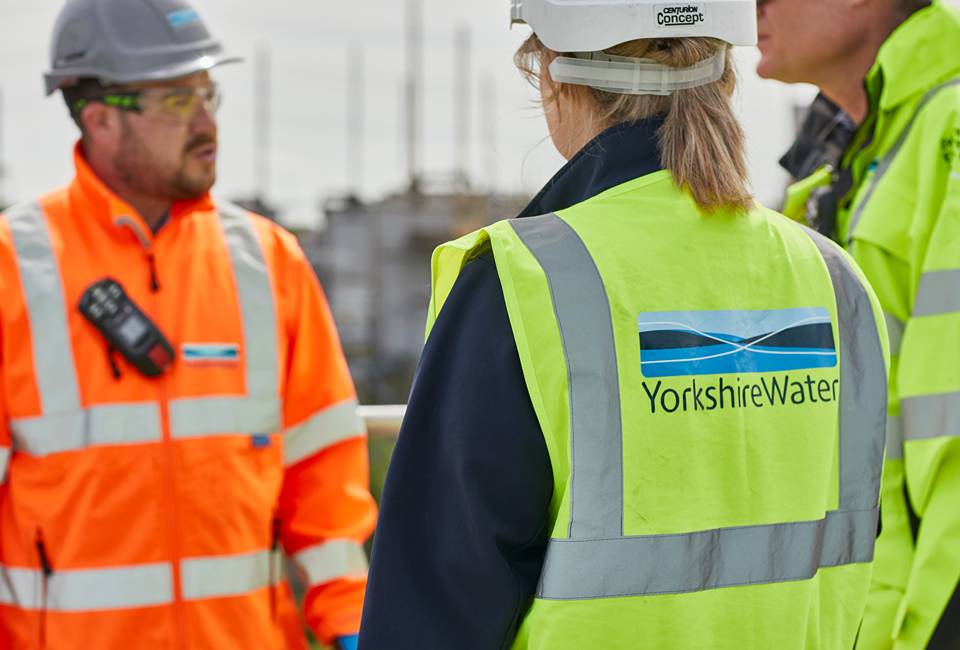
(374, 130)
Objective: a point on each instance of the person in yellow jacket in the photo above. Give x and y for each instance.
(175, 409)
(649, 413)
(891, 195)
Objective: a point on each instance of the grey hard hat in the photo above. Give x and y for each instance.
(125, 41)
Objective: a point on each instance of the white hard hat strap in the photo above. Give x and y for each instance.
(629, 76)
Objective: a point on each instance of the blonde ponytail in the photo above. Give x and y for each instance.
(701, 141)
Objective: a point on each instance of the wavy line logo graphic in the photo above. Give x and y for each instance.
(676, 344)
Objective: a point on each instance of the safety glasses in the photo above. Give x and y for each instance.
(172, 104)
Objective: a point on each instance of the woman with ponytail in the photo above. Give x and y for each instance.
(649, 413)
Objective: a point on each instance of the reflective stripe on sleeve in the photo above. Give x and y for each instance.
(4, 464)
(895, 328)
(324, 429)
(727, 557)
(331, 560)
(931, 416)
(109, 424)
(229, 575)
(939, 293)
(87, 590)
(53, 363)
(214, 416)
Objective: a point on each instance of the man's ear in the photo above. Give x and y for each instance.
(99, 121)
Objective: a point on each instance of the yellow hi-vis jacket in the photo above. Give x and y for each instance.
(901, 222)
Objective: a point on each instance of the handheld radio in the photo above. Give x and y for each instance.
(126, 328)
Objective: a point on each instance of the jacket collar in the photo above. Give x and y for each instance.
(618, 155)
(918, 55)
(94, 200)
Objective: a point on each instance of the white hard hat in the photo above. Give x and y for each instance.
(594, 25)
(586, 27)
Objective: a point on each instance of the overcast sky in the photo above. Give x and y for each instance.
(309, 44)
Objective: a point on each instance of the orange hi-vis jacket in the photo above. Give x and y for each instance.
(152, 513)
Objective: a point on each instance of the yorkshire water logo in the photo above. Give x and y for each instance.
(674, 344)
(755, 353)
(683, 15)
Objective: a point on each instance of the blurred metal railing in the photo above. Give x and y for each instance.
(383, 421)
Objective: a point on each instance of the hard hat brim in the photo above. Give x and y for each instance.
(59, 79)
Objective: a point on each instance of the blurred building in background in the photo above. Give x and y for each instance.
(373, 260)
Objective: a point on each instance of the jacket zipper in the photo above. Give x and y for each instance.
(169, 472)
(47, 570)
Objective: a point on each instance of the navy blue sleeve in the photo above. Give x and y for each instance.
(463, 520)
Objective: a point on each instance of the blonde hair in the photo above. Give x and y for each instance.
(701, 141)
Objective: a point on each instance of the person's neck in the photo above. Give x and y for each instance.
(843, 83)
(151, 209)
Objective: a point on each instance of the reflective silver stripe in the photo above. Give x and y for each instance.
(256, 302)
(597, 561)
(895, 329)
(727, 557)
(586, 328)
(215, 416)
(894, 437)
(337, 558)
(931, 416)
(863, 383)
(53, 362)
(939, 293)
(259, 411)
(4, 464)
(324, 429)
(884, 165)
(87, 590)
(228, 575)
(108, 424)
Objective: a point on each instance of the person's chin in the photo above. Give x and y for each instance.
(195, 186)
(767, 68)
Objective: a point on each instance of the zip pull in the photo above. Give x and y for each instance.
(154, 282)
(42, 553)
(274, 548)
(114, 366)
(277, 524)
(47, 569)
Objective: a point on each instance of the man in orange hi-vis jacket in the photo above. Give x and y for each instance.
(175, 409)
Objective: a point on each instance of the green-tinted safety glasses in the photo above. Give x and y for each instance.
(176, 104)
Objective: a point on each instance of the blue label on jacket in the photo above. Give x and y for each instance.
(210, 352)
(676, 344)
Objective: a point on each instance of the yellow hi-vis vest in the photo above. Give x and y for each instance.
(712, 391)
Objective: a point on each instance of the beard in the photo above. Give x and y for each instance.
(140, 170)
